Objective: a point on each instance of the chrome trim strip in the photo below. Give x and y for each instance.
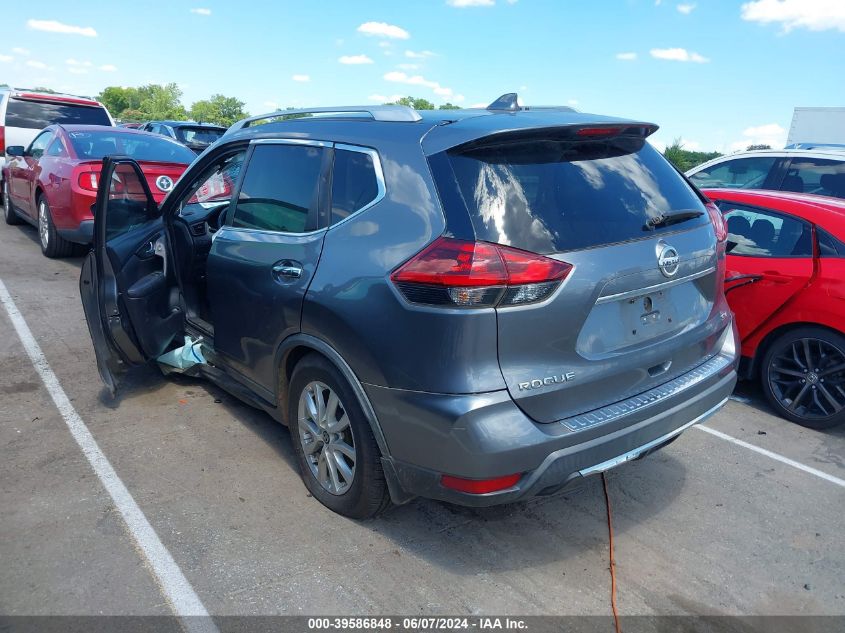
(644, 400)
(290, 141)
(382, 189)
(638, 452)
(666, 284)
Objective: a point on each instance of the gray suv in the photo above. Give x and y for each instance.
(476, 306)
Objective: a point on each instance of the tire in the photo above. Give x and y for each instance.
(323, 440)
(53, 245)
(803, 377)
(8, 212)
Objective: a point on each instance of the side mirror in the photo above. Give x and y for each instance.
(15, 150)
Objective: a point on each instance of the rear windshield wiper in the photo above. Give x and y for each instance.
(670, 219)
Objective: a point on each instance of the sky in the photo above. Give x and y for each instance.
(719, 74)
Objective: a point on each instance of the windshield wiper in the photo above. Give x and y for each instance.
(670, 219)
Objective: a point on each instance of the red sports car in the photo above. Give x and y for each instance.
(53, 182)
(785, 282)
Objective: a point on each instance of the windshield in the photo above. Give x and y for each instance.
(198, 135)
(141, 147)
(551, 195)
(36, 115)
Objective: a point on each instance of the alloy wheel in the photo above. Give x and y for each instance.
(326, 437)
(807, 377)
(43, 224)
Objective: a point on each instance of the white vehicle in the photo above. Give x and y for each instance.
(818, 171)
(23, 113)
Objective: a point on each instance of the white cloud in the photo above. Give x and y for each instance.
(418, 80)
(626, 57)
(384, 99)
(53, 26)
(354, 59)
(74, 62)
(815, 15)
(302, 78)
(36, 64)
(110, 68)
(686, 9)
(572, 102)
(383, 29)
(408, 66)
(6, 58)
(20, 51)
(472, 3)
(678, 55)
(461, 98)
(76, 70)
(769, 134)
(201, 11)
(420, 54)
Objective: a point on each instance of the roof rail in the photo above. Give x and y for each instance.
(392, 113)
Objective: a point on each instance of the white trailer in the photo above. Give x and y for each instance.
(817, 126)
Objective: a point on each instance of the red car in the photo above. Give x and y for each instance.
(785, 282)
(53, 182)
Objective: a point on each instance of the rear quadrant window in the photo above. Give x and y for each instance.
(354, 183)
(280, 189)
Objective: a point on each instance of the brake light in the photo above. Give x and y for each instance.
(2, 141)
(479, 486)
(599, 131)
(718, 221)
(88, 180)
(477, 274)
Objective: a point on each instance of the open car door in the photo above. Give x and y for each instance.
(125, 281)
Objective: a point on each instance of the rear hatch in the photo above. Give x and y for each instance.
(638, 305)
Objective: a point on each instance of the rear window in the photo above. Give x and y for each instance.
(36, 115)
(96, 145)
(547, 196)
(198, 135)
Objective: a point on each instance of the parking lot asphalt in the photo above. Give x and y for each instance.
(704, 526)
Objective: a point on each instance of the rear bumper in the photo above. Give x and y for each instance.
(83, 234)
(483, 436)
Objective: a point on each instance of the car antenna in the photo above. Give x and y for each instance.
(508, 102)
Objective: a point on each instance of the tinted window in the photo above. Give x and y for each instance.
(816, 175)
(96, 145)
(757, 233)
(829, 246)
(354, 183)
(547, 196)
(198, 135)
(36, 114)
(36, 149)
(218, 182)
(128, 205)
(279, 191)
(738, 173)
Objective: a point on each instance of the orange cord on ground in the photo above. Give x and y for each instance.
(612, 562)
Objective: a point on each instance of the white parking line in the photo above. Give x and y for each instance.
(172, 582)
(776, 456)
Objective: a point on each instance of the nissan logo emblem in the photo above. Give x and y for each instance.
(667, 259)
(165, 183)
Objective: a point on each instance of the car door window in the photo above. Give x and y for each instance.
(280, 189)
(355, 183)
(821, 176)
(737, 173)
(216, 185)
(754, 232)
(36, 149)
(57, 149)
(129, 204)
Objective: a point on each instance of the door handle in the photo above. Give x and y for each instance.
(287, 268)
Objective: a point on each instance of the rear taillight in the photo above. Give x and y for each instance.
(452, 272)
(2, 141)
(718, 222)
(479, 486)
(88, 180)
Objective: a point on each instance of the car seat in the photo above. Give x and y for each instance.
(762, 234)
(792, 183)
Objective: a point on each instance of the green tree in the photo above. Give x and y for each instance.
(449, 106)
(43, 89)
(118, 100)
(415, 102)
(685, 159)
(753, 147)
(219, 109)
(162, 102)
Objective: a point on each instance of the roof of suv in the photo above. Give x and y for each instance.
(437, 130)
